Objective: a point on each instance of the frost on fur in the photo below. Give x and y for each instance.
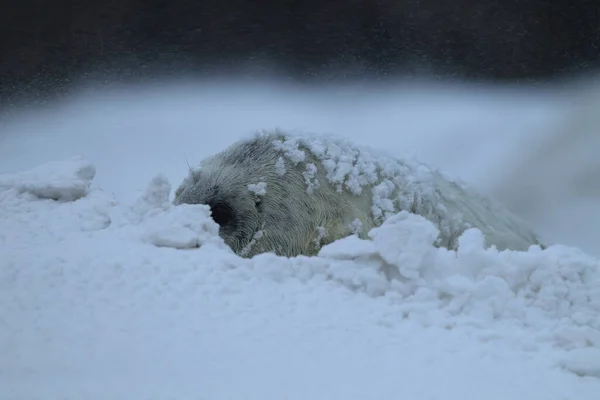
(248, 248)
(396, 185)
(310, 177)
(321, 234)
(290, 149)
(280, 166)
(356, 227)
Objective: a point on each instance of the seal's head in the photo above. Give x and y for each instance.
(222, 182)
(269, 193)
(232, 205)
(291, 195)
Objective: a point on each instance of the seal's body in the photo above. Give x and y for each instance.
(291, 194)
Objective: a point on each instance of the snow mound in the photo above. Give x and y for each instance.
(555, 293)
(583, 362)
(163, 225)
(88, 285)
(67, 180)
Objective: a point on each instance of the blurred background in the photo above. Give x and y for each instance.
(502, 93)
(46, 47)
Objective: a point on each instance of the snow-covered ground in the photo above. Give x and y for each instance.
(102, 298)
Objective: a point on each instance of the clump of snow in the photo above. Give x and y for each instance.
(310, 177)
(290, 149)
(321, 234)
(348, 166)
(356, 227)
(154, 281)
(280, 166)
(163, 225)
(406, 240)
(67, 180)
(154, 200)
(259, 234)
(383, 205)
(260, 188)
(183, 227)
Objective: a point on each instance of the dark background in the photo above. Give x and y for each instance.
(48, 46)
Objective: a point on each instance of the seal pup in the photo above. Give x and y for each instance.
(291, 194)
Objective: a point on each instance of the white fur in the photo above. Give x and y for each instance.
(328, 188)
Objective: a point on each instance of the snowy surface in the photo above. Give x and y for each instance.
(60, 180)
(109, 291)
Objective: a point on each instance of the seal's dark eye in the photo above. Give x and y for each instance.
(221, 214)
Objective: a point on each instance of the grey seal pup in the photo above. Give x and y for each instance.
(291, 194)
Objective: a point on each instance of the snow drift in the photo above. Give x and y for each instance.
(104, 298)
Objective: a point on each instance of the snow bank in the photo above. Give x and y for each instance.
(60, 180)
(144, 300)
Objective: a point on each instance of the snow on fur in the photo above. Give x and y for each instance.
(361, 175)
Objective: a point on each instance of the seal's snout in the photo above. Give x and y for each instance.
(222, 214)
(221, 210)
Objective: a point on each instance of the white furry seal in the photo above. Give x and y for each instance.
(290, 194)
